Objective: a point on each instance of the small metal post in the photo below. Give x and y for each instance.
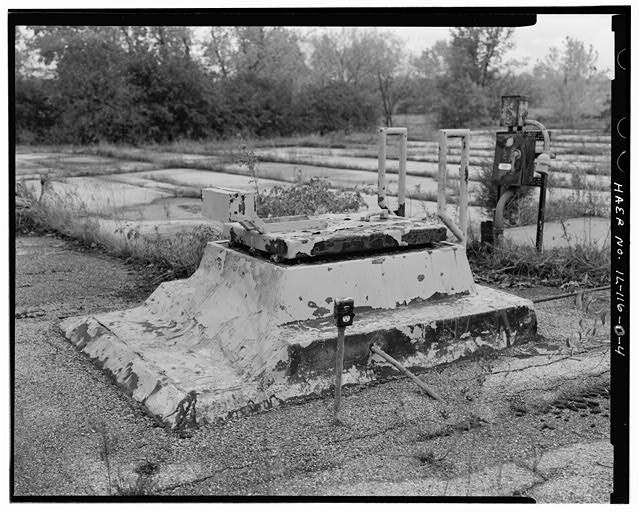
(343, 314)
(339, 366)
(541, 209)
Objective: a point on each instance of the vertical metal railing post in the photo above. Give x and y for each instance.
(460, 229)
(442, 173)
(402, 167)
(382, 168)
(402, 174)
(463, 215)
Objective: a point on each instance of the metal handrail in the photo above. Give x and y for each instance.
(460, 229)
(383, 132)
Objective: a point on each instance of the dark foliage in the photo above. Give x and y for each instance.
(336, 106)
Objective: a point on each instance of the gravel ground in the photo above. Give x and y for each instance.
(532, 421)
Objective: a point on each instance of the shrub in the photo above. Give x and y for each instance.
(35, 111)
(256, 106)
(335, 106)
(314, 197)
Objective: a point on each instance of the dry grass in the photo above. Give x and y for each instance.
(177, 256)
(582, 265)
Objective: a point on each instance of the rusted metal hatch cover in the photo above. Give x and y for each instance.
(343, 235)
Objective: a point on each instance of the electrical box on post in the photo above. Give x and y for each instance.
(514, 160)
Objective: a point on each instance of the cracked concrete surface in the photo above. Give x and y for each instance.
(531, 421)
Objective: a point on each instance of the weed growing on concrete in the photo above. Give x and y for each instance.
(143, 485)
(593, 325)
(536, 455)
(250, 160)
(314, 197)
(426, 457)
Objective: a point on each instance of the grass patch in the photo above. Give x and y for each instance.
(174, 257)
(582, 265)
(576, 206)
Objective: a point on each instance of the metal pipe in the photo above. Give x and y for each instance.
(541, 207)
(408, 373)
(395, 131)
(568, 295)
(545, 133)
(498, 222)
(542, 167)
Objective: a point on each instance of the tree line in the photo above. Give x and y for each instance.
(154, 84)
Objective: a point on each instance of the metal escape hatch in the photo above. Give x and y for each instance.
(294, 238)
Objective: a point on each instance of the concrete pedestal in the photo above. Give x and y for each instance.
(244, 334)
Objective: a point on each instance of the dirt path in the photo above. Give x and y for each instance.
(532, 421)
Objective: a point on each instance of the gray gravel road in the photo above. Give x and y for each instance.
(533, 421)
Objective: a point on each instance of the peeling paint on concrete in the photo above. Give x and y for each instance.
(245, 334)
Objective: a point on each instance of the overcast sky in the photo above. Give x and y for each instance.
(533, 42)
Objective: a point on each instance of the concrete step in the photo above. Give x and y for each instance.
(165, 364)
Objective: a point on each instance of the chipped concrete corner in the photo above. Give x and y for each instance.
(244, 334)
